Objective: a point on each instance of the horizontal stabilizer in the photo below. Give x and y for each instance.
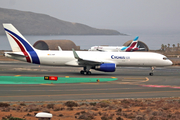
(141, 48)
(16, 55)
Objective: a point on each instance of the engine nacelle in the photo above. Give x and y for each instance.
(106, 67)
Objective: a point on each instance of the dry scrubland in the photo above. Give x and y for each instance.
(125, 109)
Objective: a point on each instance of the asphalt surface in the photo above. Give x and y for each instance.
(132, 83)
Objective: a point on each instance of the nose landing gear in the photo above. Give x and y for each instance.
(152, 71)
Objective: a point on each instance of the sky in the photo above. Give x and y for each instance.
(108, 14)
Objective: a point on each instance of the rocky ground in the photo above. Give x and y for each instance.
(116, 109)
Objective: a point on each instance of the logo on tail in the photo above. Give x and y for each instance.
(132, 46)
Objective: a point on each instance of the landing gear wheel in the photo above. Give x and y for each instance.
(151, 74)
(85, 72)
(82, 72)
(88, 73)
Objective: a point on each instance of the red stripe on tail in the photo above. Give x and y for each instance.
(133, 44)
(22, 49)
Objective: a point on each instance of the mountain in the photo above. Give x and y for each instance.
(29, 23)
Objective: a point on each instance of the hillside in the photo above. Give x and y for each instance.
(30, 23)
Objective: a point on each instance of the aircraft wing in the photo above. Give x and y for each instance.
(89, 62)
(86, 61)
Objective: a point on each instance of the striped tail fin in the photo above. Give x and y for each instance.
(19, 44)
(134, 42)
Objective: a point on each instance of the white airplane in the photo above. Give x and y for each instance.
(102, 61)
(130, 48)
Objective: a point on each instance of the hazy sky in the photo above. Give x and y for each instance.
(140, 14)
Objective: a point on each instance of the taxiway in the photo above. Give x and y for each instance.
(131, 83)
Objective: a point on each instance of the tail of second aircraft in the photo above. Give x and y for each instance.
(134, 42)
(132, 46)
(19, 44)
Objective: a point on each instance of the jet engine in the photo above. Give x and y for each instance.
(106, 67)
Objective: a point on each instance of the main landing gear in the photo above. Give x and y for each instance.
(152, 71)
(86, 70)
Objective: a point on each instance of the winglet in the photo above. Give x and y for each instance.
(75, 54)
(59, 48)
(136, 38)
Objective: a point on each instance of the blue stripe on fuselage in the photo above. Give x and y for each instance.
(33, 54)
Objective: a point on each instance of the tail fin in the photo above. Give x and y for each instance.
(20, 44)
(134, 42)
(17, 41)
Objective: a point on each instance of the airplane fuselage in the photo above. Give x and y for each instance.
(66, 58)
(114, 48)
(101, 61)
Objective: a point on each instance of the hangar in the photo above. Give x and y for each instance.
(140, 44)
(53, 45)
(68, 45)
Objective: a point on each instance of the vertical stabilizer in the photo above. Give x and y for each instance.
(19, 44)
(15, 37)
(134, 42)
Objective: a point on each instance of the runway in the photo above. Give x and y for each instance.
(131, 83)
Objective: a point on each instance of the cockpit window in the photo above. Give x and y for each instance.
(165, 58)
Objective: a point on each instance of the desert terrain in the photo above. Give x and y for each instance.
(116, 109)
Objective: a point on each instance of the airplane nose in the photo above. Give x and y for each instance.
(170, 62)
